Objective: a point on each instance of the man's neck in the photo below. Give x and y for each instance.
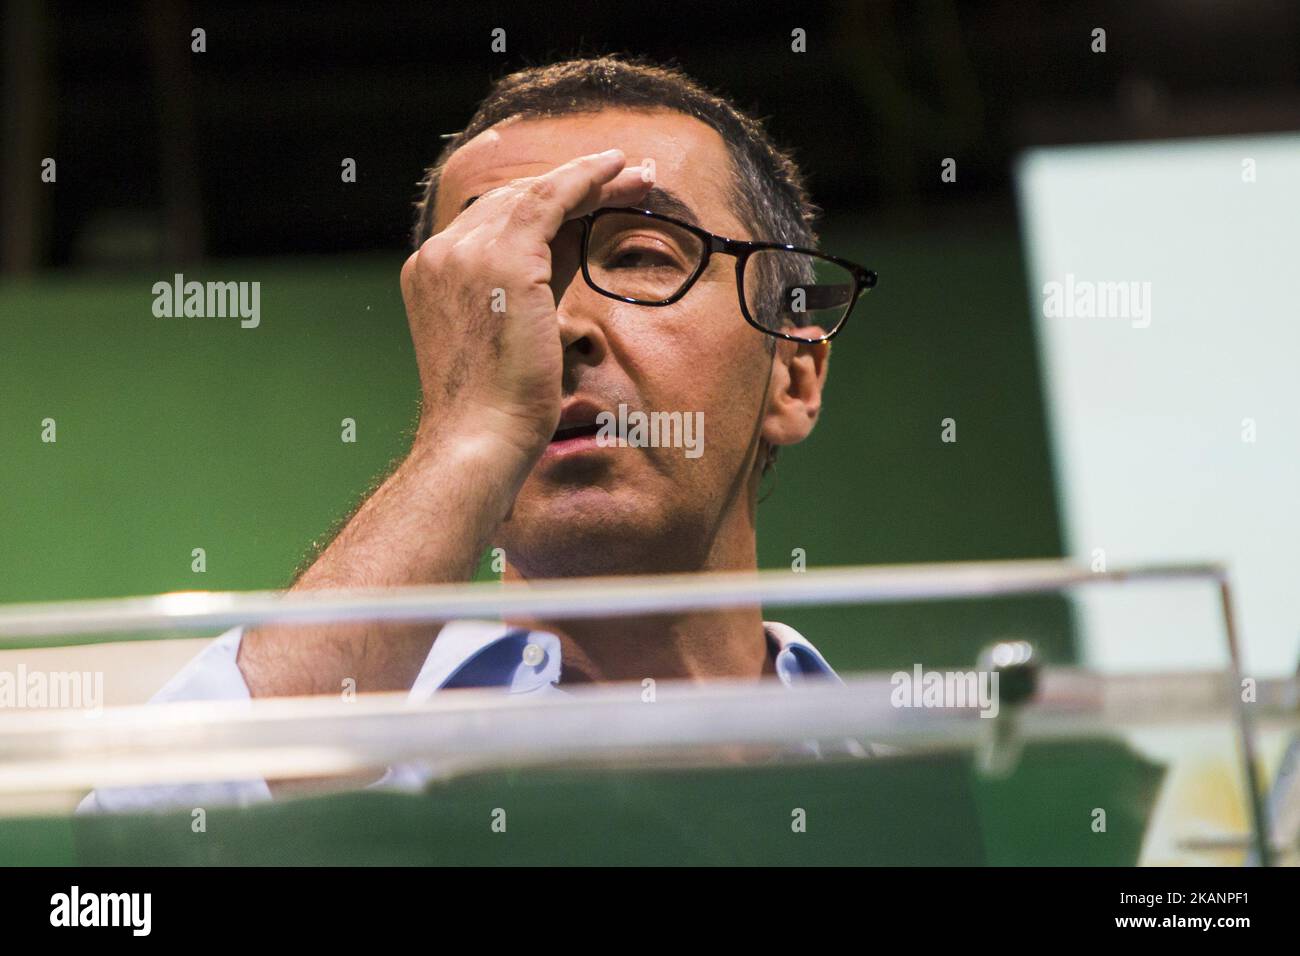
(703, 645)
(691, 645)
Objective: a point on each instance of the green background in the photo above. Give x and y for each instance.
(182, 433)
(933, 810)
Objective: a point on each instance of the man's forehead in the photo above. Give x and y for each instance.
(690, 158)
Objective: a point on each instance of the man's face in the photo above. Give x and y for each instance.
(591, 509)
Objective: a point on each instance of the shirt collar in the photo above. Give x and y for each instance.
(796, 659)
(492, 654)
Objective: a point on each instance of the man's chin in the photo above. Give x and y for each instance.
(586, 533)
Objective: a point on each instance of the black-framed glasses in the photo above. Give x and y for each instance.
(646, 258)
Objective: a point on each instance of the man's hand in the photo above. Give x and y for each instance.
(482, 311)
(492, 394)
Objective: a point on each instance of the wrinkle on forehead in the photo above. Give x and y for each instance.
(492, 159)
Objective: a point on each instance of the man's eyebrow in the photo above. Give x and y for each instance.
(668, 203)
(658, 199)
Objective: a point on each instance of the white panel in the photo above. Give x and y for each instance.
(1147, 422)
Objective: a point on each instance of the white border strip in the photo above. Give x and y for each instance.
(50, 624)
(204, 741)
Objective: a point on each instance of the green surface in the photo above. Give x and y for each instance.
(175, 434)
(887, 812)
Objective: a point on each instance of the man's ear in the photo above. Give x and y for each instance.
(794, 395)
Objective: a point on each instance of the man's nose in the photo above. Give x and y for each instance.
(578, 309)
(566, 252)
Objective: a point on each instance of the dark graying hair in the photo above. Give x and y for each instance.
(768, 192)
(767, 187)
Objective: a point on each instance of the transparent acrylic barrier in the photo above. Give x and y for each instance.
(1091, 768)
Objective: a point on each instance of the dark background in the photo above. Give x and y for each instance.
(235, 152)
(177, 434)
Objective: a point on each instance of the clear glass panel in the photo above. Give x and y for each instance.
(801, 295)
(638, 257)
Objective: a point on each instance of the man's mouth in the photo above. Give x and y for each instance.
(577, 434)
(579, 418)
(575, 431)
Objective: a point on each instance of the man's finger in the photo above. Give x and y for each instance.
(569, 191)
(627, 188)
(569, 182)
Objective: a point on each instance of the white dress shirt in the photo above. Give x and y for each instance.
(465, 654)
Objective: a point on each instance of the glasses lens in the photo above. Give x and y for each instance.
(640, 257)
(801, 295)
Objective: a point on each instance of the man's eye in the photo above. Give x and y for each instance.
(630, 256)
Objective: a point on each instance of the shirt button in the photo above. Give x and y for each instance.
(534, 655)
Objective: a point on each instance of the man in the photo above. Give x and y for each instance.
(537, 308)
